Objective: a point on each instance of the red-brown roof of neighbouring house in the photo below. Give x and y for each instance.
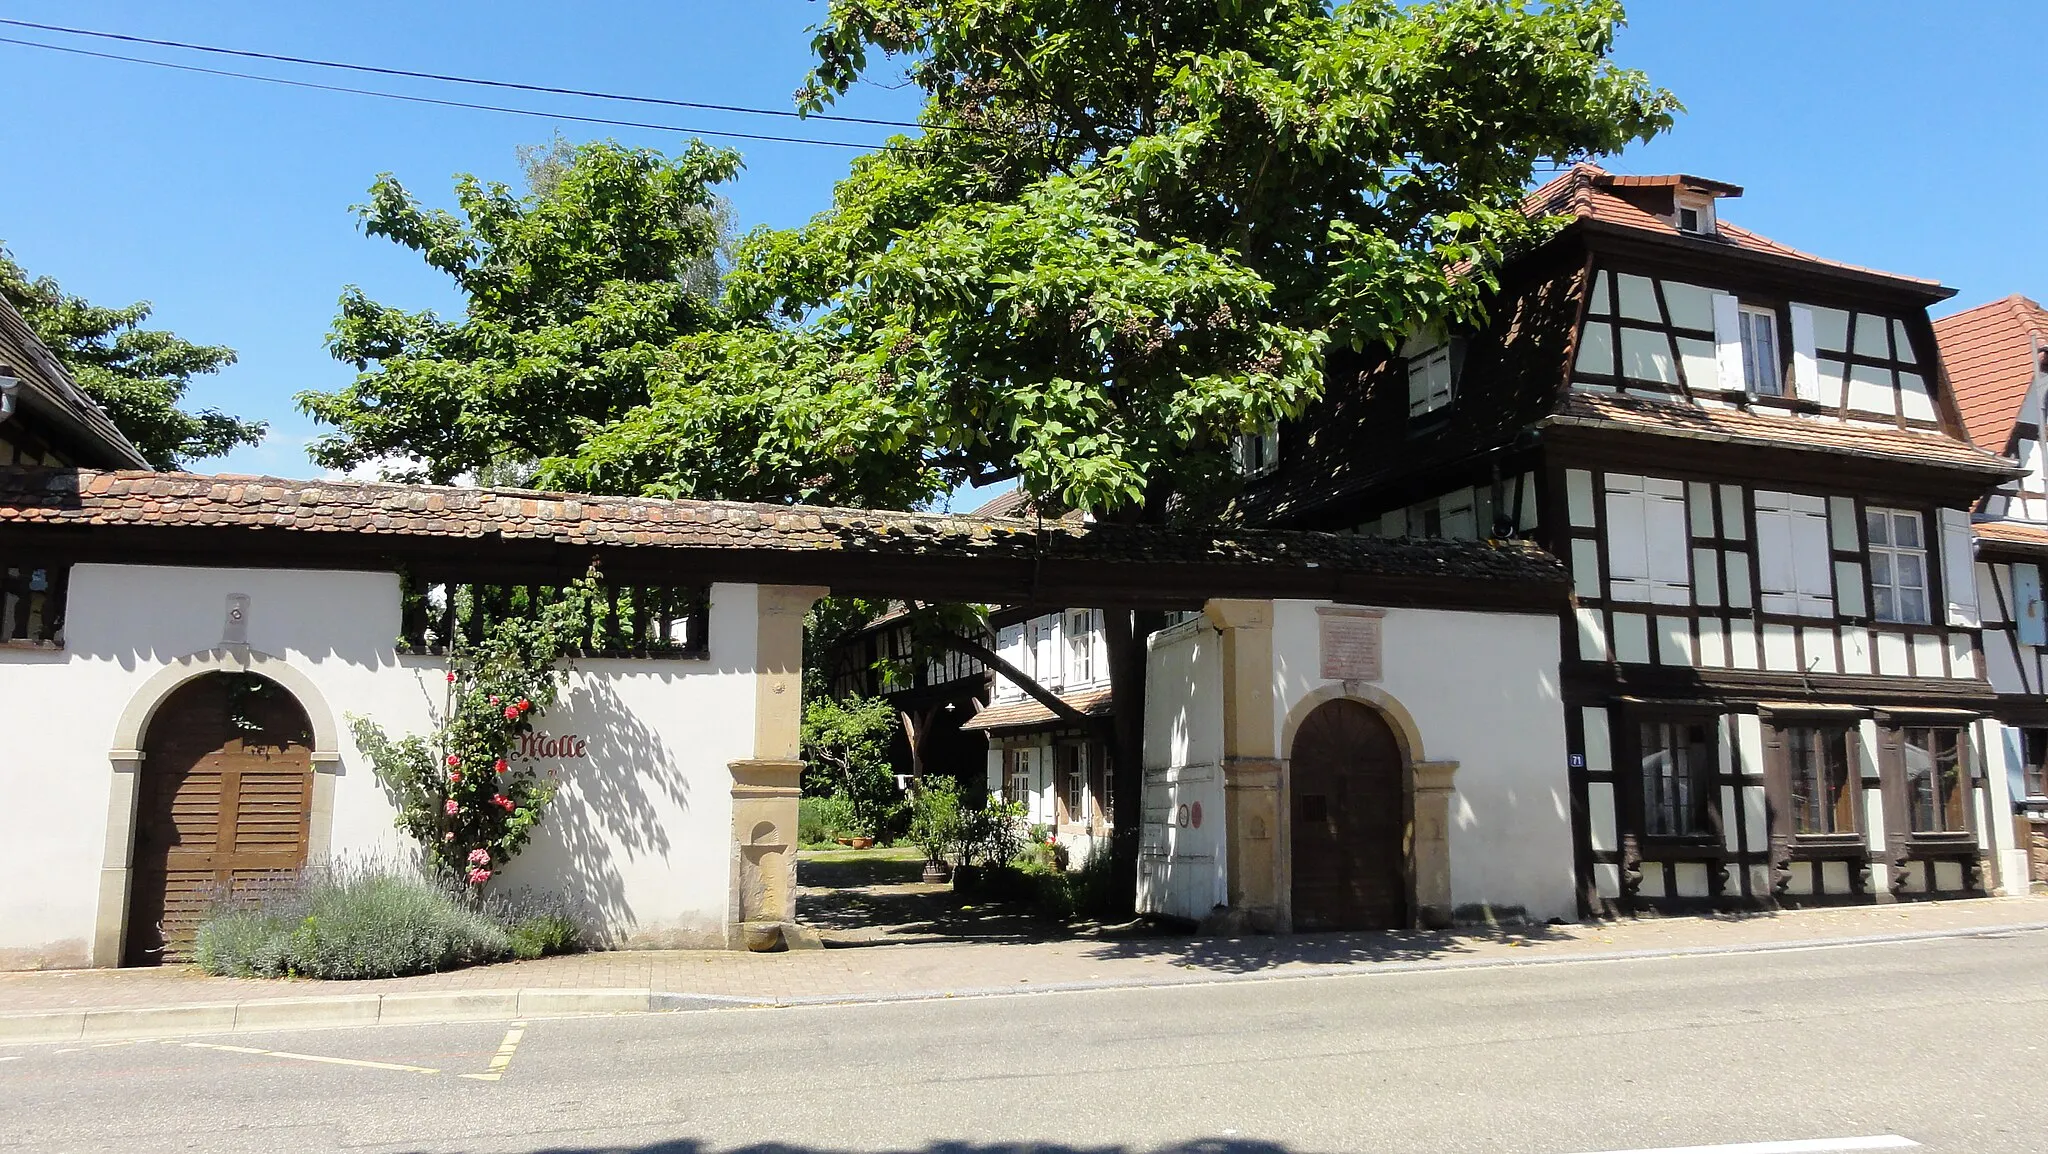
(1735, 425)
(1989, 352)
(1029, 714)
(1586, 192)
(2031, 538)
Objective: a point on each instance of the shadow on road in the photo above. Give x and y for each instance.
(693, 1146)
(1254, 954)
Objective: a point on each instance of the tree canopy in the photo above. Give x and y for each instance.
(137, 375)
(576, 293)
(1126, 233)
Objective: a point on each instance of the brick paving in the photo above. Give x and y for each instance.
(933, 969)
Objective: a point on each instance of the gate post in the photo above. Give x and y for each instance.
(765, 787)
(1432, 843)
(1253, 807)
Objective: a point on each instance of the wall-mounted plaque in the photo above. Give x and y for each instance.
(1350, 643)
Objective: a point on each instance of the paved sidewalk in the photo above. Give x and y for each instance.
(935, 970)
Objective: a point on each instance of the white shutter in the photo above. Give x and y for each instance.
(1813, 567)
(1667, 541)
(1777, 574)
(1010, 647)
(1728, 341)
(1628, 539)
(1805, 366)
(1959, 568)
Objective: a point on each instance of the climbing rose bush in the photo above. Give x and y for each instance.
(458, 792)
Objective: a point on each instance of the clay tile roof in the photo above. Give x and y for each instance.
(1989, 353)
(1735, 425)
(378, 510)
(1029, 714)
(49, 384)
(1586, 192)
(2014, 535)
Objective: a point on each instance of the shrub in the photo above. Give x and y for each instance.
(994, 834)
(822, 820)
(374, 920)
(936, 823)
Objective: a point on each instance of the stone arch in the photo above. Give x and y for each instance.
(125, 760)
(1428, 788)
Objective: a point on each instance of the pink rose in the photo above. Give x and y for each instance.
(478, 877)
(449, 836)
(454, 760)
(494, 699)
(511, 713)
(451, 807)
(451, 676)
(455, 776)
(502, 802)
(480, 857)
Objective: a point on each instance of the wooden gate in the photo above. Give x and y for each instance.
(1349, 818)
(224, 803)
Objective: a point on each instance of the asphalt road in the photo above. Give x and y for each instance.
(1934, 1043)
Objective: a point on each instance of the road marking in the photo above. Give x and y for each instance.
(1800, 1146)
(12, 1058)
(503, 1058)
(403, 1069)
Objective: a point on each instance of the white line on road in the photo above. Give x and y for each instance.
(403, 1069)
(1799, 1146)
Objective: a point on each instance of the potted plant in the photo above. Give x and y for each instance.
(935, 826)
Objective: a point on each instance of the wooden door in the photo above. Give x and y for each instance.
(224, 803)
(1349, 817)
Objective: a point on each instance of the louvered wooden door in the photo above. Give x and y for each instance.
(225, 804)
(1348, 821)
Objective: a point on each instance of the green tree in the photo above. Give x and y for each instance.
(575, 295)
(137, 375)
(1126, 234)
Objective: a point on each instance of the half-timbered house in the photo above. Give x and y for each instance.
(1997, 360)
(1774, 669)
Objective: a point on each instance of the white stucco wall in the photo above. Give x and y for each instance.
(640, 834)
(1483, 690)
(1181, 868)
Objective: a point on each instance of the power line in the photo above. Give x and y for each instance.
(410, 99)
(481, 82)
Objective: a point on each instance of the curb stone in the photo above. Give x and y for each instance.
(505, 1005)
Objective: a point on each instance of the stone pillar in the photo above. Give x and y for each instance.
(765, 787)
(1430, 848)
(1255, 849)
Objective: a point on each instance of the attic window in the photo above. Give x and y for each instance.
(1696, 215)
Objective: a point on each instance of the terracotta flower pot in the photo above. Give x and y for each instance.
(863, 843)
(843, 840)
(937, 873)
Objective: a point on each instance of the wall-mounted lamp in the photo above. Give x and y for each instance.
(10, 386)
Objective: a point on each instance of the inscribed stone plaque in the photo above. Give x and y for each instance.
(1351, 646)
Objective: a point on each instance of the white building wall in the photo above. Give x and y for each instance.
(640, 833)
(1181, 867)
(1483, 690)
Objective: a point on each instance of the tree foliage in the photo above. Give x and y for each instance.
(1126, 233)
(137, 375)
(576, 294)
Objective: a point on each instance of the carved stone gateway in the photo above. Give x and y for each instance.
(1350, 642)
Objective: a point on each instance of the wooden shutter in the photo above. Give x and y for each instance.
(1959, 568)
(1668, 541)
(1628, 539)
(1805, 363)
(1813, 568)
(1777, 579)
(1728, 341)
(2026, 605)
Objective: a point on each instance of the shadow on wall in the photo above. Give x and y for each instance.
(611, 807)
(697, 1146)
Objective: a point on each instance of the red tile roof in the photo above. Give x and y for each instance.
(1989, 353)
(2027, 538)
(1735, 425)
(1586, 192)
(1029, 714)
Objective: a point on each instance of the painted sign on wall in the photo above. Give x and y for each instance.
(550, 747)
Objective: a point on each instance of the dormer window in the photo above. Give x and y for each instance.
(1432, 365)
(1696, 215)
(1256, 454)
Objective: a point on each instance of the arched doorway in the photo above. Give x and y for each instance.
(1349, 819)
(224, 800)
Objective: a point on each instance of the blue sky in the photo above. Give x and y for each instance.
(1887, 133)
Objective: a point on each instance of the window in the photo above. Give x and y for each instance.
(1697, 217)
(1679, 763)
(1045, 652)
(1823, 793)
(1934, 779)
(1101, 784)
(1080, 647)
(1430, 380)
(1795, 566)
(1017, 776)
(1760, 352)
(1256, 454)
(1648, 550)
(1011, 646)
(2034, 752)
(1073, 783)
(1898, 566)
(32, 603)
